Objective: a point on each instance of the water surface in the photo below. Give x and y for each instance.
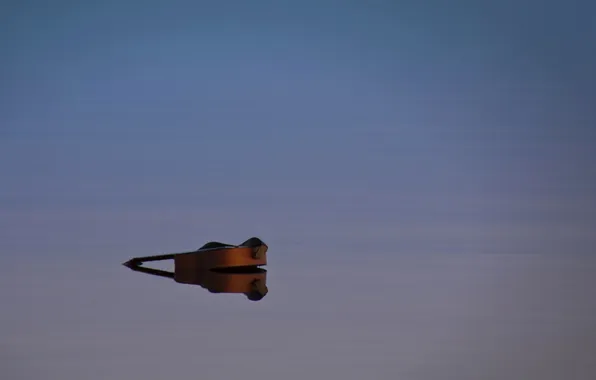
(397, 315)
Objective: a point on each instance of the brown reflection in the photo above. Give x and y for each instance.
(217, 267)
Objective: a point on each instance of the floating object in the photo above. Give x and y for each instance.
(214, 255)
(217, 267)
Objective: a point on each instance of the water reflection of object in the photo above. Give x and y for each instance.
(250, 281)
(217, 267)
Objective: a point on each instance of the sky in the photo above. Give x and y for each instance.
(315, 113)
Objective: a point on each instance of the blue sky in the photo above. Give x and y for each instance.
(298, 108)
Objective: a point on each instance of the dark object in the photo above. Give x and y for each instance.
(251, 253)
(217, 267)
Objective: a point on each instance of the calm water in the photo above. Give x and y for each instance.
(363, 313)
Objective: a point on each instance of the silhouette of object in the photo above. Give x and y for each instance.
(217, 267)
(251, 253)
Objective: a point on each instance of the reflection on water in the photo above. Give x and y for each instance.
(250, 281)
(357, 316)
(217, 267)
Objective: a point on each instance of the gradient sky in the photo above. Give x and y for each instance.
(312, 112)
(327, 128)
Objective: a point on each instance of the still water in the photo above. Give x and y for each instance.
(357, 314)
